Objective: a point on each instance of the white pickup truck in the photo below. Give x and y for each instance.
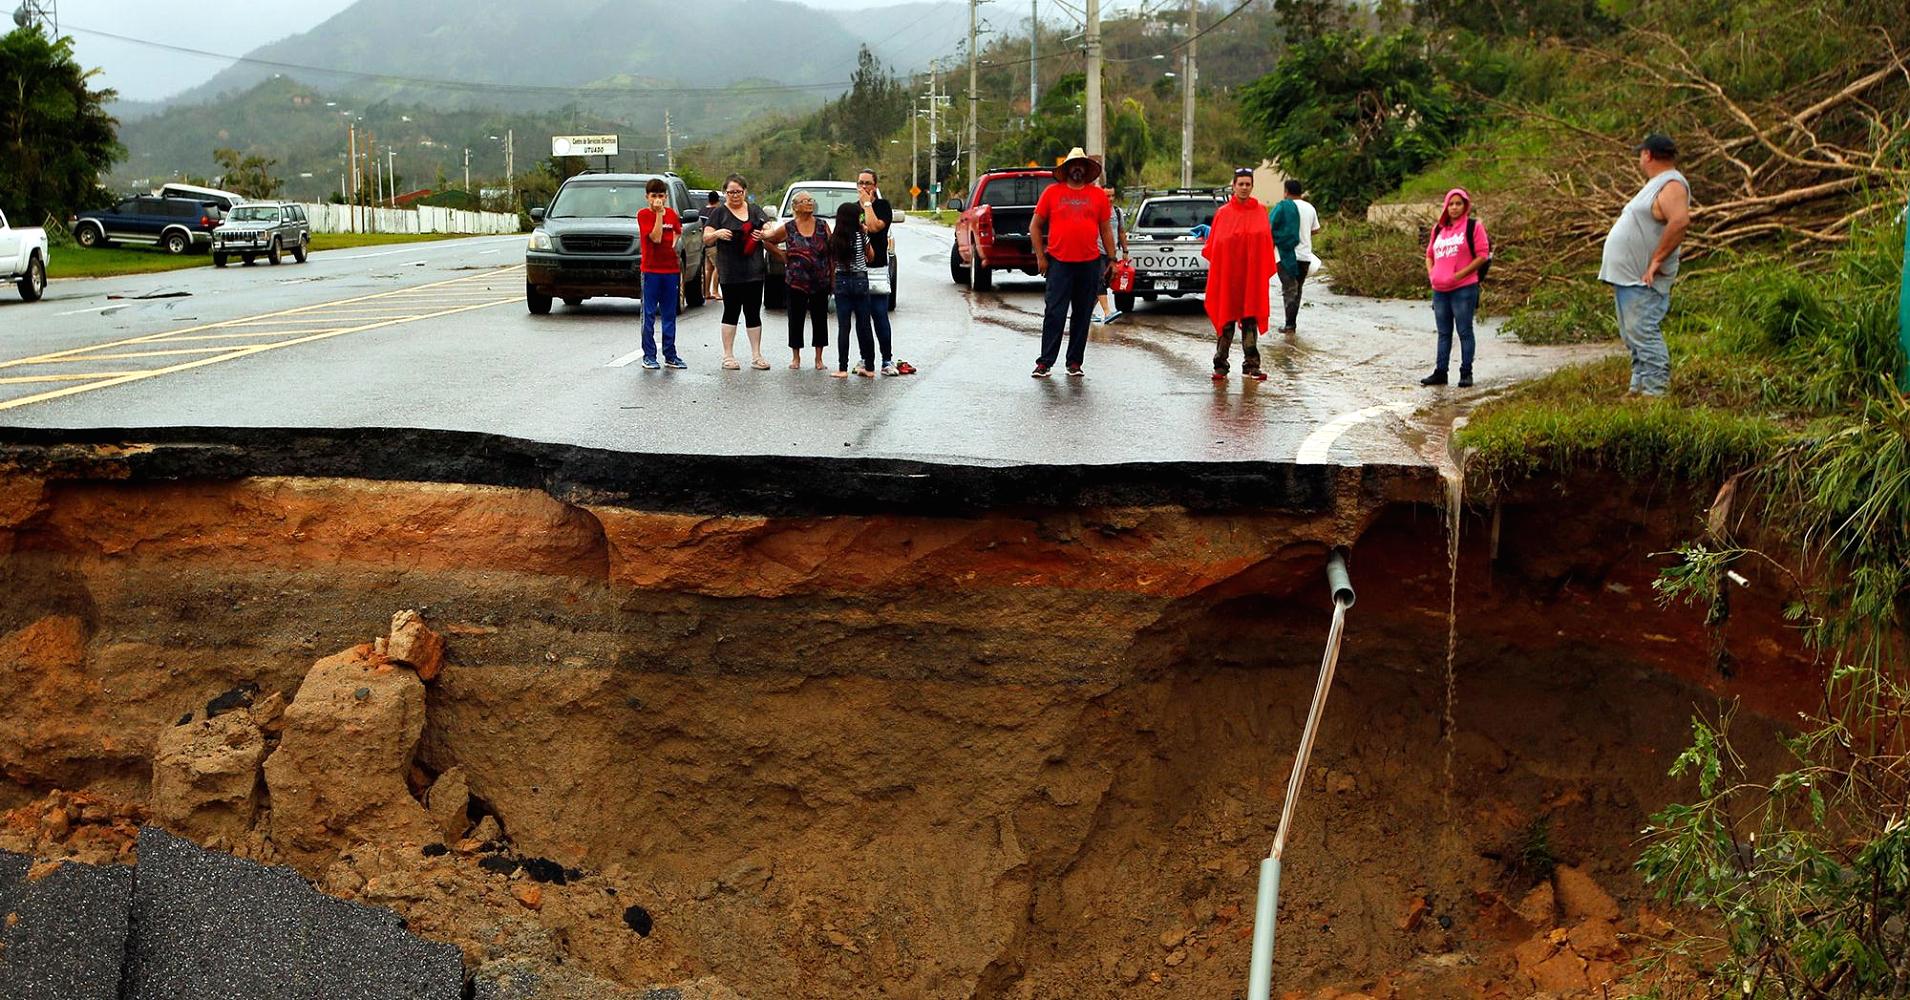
(1163, 247)
(23, 259)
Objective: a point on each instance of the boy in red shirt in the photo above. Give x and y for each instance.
(659, 227)
(1069, 219)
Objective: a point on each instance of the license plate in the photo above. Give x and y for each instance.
(1170, 284)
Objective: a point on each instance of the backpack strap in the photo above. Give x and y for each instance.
(1470, 223)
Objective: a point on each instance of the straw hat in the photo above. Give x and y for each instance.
(1079, 155)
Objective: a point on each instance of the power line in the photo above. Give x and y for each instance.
(1183, 43)
(470, 86)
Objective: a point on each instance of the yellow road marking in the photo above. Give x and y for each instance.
(121, 355)
(25, 379)
(149, 338)
(238, 353)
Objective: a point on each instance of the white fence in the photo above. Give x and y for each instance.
(423, 219)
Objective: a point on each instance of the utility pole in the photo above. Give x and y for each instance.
(351, 198)
(1187, 96)
(510, 165)
(467, 170)
(1097, 142)
(1034, 55)
(974, 95)
(391, 175)
(934, 134)
(915, 152)
(669, 143)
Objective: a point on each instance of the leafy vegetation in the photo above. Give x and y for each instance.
(1354, 115)
(1784, 391)
(56, 138)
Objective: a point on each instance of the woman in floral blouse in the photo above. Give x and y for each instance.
(803, 244)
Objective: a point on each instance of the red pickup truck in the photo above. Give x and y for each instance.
(992, 233)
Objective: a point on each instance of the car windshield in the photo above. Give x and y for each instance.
(1015, 191)
(599, 201)
(827, 200)
(254, 213)
(1177, 214)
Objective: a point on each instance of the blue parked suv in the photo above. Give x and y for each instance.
(177, 224)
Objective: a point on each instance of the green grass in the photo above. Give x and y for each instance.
(69, 261)
(1763, 357)
(1378, 261)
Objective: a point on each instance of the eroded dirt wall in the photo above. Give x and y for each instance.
(1026, 754)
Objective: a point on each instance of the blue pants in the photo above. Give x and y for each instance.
(852, 299)
(659, 299)
(1454, 311)
(1072, 289)
(1641, 308)
(879, 317)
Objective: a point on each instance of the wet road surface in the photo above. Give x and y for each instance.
(436, 336)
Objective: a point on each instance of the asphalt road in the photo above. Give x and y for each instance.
(436, 335)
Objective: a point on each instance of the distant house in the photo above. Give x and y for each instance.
(405, 200)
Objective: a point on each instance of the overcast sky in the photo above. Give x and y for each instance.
(144, 73)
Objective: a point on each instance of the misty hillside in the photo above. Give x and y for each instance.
(529, 54)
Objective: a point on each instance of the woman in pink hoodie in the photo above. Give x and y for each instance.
(1454, 256)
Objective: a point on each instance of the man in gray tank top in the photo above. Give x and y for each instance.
(1641, 259)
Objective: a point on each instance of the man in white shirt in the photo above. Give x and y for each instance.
(1290, 286)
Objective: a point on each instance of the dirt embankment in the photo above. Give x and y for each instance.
(1032, 753)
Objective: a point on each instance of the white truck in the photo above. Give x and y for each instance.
(1163, 247)
(23, 259)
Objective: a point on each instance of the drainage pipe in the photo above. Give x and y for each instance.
(1267, 901)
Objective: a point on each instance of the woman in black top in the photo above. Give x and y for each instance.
(733, 230)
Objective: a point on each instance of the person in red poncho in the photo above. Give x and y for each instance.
(1240, 267)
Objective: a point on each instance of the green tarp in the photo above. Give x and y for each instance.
(1903, 306)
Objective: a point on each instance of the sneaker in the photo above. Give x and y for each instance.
(1257, 376)
(1075, 371)
(676, 363)
(890, 370)
(1220, 376)
(1436, 378)
(651, 364)
(1465, 380)
(1041, 371)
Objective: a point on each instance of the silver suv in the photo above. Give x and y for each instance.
(262, 229)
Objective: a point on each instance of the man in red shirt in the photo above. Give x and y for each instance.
(659, 227)
(1073, 221)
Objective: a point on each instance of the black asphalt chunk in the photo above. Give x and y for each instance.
(499, 864)
(66, 936)
(638, 919)
(546, 870)
(212, 925)
(435, 850)
(233, 700)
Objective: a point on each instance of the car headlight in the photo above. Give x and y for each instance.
(540, 240)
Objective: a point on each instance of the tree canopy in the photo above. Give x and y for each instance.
(250, 174)
(56, 138)
(1354, 115)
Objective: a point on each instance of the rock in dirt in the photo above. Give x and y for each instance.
(517, 979)
(1562, 973)
(413, 644)
(1595, 938)
(447, 801)
(488, 831)
(1580, 897)
(338, 776)
(206, 776)
(233, 700)
(1539, 907)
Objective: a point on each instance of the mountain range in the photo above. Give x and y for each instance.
(520, 54)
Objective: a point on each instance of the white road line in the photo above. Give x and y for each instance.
(387, 253)
(1319, 444)
(102, 310)
(627, 360)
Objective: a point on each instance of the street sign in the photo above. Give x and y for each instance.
(583, 145)
(915, 190)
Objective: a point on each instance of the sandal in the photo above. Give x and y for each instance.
(865, 373)
(793, 365)
(730, 365)
(759, 364)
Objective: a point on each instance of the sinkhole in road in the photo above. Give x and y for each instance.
(1033, 751)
